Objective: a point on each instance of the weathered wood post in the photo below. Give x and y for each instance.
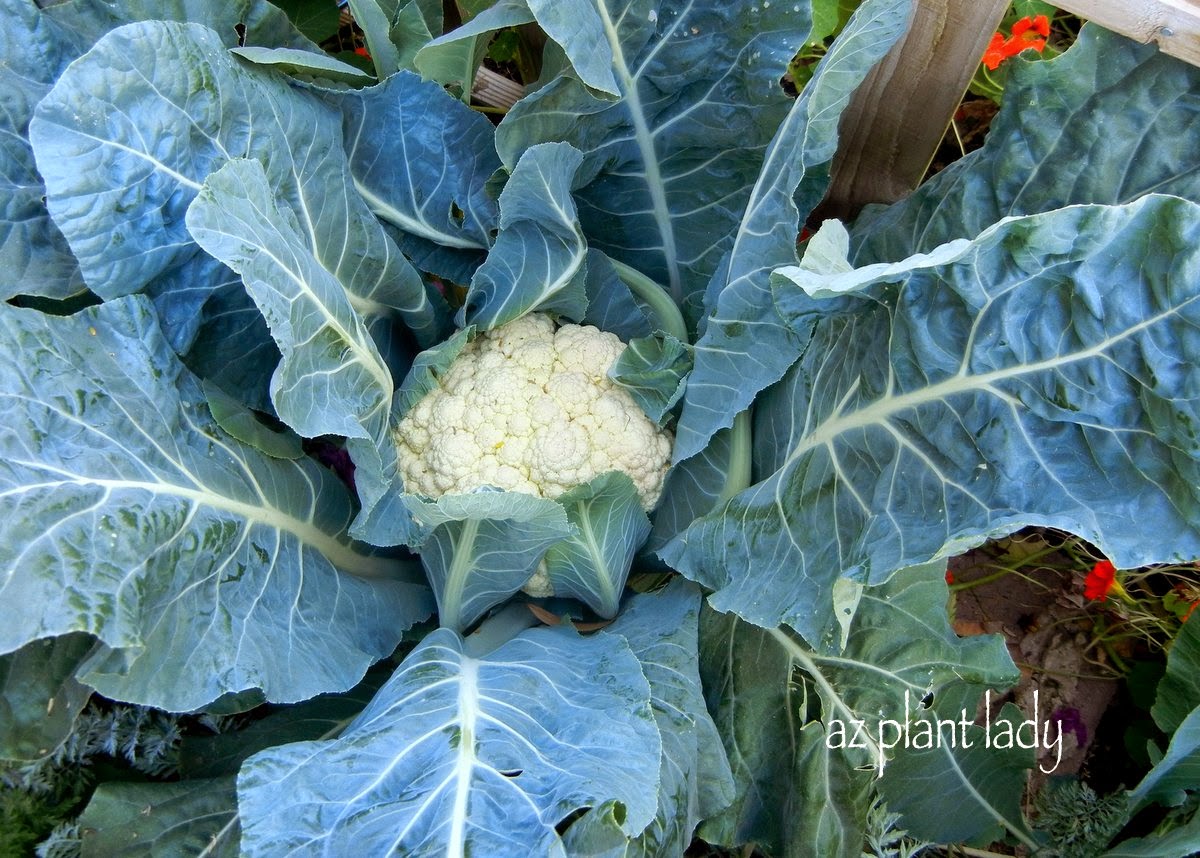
(898, 117)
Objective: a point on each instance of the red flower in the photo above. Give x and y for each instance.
(1026, 33)
(362, 52)
(949, 577)
(1100, 581)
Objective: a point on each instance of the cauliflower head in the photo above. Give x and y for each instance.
(529, 407)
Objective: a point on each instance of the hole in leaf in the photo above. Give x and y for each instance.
(927, 701)
(515, 773)
(456, 214)
(240, 29)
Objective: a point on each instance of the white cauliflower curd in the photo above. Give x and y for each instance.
(529, 408)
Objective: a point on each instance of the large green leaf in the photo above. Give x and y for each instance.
(127, 513)
(670, 163)
(483, 548)
(655, 371)
(1107, 122)
(609, 525)
(332, 380)
(374, 18)
(744, 346)
(539, 258)
(453, 59)
(468, 754)
(1179, 690)
(1035, 379)
(132, 820)
(39, 695)
(1183, 842)
(803, 789)
(985, 779)
(130, 131)
(695, 781)
(610, 303)
(37, 45)
(1177, 773)
(34, 255)
(442, 212)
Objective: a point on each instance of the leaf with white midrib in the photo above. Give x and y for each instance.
(130, 131)
(538, 259)
(799, 794)
(669, 171)
(461, 754)
(744, 345)
(173, 543)
(328, 356)
(1032, 379)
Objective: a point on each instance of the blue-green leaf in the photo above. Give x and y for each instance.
(1177, 773)
(1036, 379)
(694, 488)
(39, 695)
(37, 45)
(1114, 120)
(119, 185)
(654, 370)
(1182, 842)
(442, 211)
(745, 346)
(985, 778)
(611, 305)
(460, 754)
(1178, 692)
(699, 95)
(297, 62)
(483, 547)
(803, 789)
(34, 256)
(332, 380)
(375, 22)
(609, 525)
(237, 420)
(539, 259)
(582, 29)
(143, 820)
(695, 781)
(231, 345)
(125, 512)
(453, 59)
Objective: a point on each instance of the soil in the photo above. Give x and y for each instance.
(1044, 619)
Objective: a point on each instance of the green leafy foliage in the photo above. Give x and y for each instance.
(275, 246)
(194, 817)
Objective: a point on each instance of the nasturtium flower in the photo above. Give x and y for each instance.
(1029, 32)
(1100, 581)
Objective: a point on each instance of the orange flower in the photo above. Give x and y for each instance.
(1100, 581)
(1029, 32)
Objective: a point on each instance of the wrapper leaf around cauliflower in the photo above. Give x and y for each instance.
(529, 407)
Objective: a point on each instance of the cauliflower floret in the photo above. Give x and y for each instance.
(529, 408)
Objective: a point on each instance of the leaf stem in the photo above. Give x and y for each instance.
(738, 475)
(662, 305)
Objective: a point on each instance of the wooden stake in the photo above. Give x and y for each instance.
(899, 115)
(1173, 24)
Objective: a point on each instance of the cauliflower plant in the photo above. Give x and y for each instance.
(529, 408)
